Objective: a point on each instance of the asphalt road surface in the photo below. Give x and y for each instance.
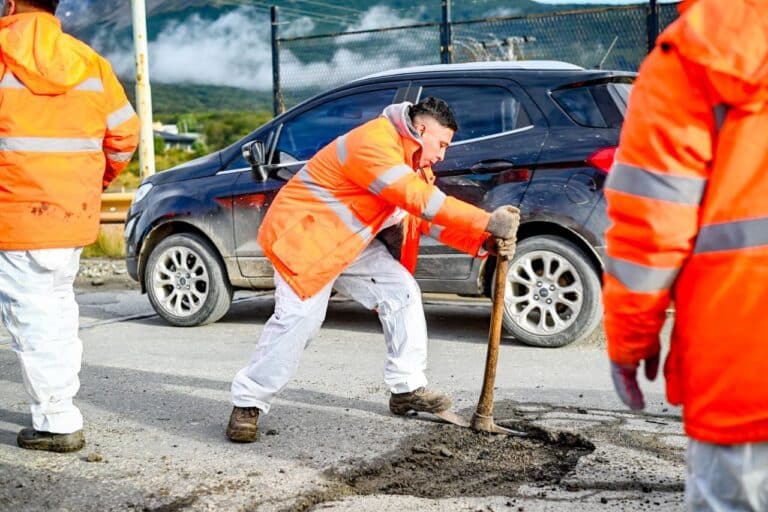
(156, 401)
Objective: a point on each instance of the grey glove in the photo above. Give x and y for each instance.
(500, 247)
(625, 381)
(504, 222)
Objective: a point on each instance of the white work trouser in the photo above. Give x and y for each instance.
(727, 478)
(38, 308)
(375, 280)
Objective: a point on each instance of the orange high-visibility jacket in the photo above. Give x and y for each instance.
(66, 131)
(324, 217)
(688, 201)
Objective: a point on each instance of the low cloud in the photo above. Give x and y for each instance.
(235, 50)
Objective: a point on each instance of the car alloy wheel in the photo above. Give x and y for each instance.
(186, 281)
(180, 281)
(552, 295)
(544, 293)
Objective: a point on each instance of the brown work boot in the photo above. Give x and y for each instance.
(243, 423)
(419, 400)
(32, 439)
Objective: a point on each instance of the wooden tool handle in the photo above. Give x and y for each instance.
(485, 405)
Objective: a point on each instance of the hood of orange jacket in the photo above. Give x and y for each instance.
(727, 38)
(684, 5)
(398, 115)
(53, 64)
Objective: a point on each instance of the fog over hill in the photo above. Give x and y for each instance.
(227, 42)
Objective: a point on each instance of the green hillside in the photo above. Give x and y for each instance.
(176, 98)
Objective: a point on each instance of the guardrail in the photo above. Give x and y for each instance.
(114, 207)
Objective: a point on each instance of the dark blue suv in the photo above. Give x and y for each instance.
(537, 134)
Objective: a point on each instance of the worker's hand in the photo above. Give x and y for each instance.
(625, 381)
(504, 222)
(500, 247)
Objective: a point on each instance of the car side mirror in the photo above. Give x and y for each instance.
(253, 152)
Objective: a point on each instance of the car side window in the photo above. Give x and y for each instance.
(481, 110)
(305, 134)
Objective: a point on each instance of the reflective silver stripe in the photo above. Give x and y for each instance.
(119, 157)
(341, 210)
(9, 81)
(120, 116)
(640, 278)
(433, 206)
(341, 149)
(721, 112)
(389, 177)
(653, 185)
(49, 145)
(90, 84)
(435, 231)
(727, 236)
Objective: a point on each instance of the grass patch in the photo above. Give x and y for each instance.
(109, 243)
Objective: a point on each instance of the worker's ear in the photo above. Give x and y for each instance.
(7, 7)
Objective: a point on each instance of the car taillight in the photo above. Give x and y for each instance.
(602, 159)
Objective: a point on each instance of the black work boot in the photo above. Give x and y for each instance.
(419, 400)
(242, 426)
(32, 439)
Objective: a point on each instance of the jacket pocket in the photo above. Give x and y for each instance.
(304, 244)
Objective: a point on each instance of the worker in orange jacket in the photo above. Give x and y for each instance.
(687, 200)
(321, 233)
(66, 131)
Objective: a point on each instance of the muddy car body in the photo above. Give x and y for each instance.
(539, 135)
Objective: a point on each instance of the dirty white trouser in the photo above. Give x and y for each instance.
(375, 280)
(38, 308)
(727, 478)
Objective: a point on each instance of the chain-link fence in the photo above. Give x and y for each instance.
(607, 38)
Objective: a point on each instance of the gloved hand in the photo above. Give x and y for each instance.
(625, 381)
(500, 247)
(504, 222)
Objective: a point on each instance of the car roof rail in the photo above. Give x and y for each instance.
(533, 65)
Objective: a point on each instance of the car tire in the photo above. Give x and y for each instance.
(186, 282)
(553, 294)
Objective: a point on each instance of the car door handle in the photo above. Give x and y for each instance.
(491, 166)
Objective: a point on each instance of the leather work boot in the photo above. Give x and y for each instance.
(242, 426)
(419, 400)
(32, 439)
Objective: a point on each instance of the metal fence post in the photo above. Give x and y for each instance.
(277, 93)
(446, 42)
(653, 24)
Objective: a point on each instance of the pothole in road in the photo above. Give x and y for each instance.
(451, 462)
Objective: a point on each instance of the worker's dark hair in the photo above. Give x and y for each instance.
(437, 109)
(45, 5)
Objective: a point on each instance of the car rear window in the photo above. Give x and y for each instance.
(596, 105)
